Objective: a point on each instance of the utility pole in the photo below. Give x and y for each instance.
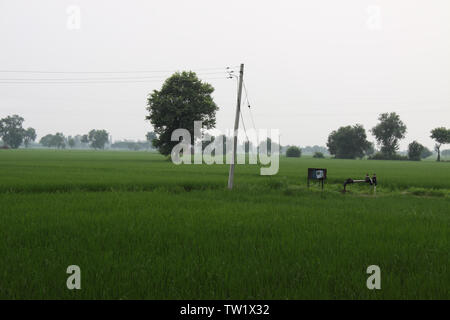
(236, 128)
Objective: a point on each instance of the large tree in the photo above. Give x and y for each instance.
(388, 132)
(182, 100)
(348, 142)
(442, 136)
(11, 131)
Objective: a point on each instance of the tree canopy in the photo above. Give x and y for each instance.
(415, 151)
(442, 136)
(182, 100)
(388, 132)
(29, 135)
(293, 152)
(71, 141)
(97, 138)
(348, 142)
(11, 131)
(54, 140)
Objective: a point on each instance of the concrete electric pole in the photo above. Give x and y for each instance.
(236, 128)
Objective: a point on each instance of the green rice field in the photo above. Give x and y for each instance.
(140, 227)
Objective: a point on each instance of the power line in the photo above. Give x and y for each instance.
(93, 81)
(130, 78)
(249, 106)
(114, 72)
(231, 76)
(108, 78)
(83, 79)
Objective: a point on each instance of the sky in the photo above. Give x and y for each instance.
(310, 66)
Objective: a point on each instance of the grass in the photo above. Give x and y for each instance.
(140, 227)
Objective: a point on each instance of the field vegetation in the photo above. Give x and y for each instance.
(141, 227)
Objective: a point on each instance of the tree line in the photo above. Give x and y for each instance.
(14, 135)
(351, 142)
(96, 139)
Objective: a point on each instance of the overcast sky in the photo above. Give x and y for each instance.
(310, 66)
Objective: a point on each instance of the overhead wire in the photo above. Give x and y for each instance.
(102, 80)
(93, 81)
(248, 104)
(231, 75)
(243, 123)
(110, 72)
(131, 76)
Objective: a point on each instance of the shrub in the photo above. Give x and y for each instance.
(318, 155)
(382, 156)
(415, 150)
(293, 152)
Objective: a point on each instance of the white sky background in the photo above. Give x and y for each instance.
(310, 66)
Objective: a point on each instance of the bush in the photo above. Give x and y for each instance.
(415, 150)
(382, 156)
(293, 152)
(318, 155)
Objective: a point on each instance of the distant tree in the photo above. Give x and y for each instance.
(30, 135)
(388, 132)
(58, 141)
(71, 142)
(268, 144)
(293, 152)
(207, 139)
(131, 145)
(425, 153)
(318, 155)
(97, 138)
(182, 100)
(225, 140)
(46, 140)
(382, 156)
(348, 142)
(415, 150)
(442, 136)
(370, 150)
(150, 136)
(313, 149)
(11, 131)
(445, 152)
(84, 138)
(53, 140)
